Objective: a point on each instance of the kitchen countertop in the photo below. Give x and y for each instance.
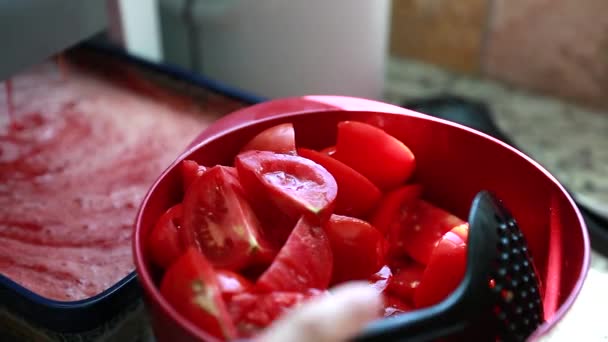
(570, 141)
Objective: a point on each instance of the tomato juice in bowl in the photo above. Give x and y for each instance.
(453, 163)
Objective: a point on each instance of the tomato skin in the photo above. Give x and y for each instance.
(252, 312)
(386, 216)
(356, 194)
(304, 262)
(280, 139)
(405, 281)
(219, 222)
(190, 171)
(445, 270)
(163, 243)
(422, 226)
(190, 286)
(329, 150)
(377, 155)
(359, 250)
(232, 283)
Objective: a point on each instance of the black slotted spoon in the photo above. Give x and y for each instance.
(499, 293)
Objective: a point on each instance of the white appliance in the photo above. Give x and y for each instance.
(278, 48)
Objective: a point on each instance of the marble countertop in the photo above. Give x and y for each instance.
(570, 141)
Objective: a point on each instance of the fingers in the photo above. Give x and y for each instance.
(333, 318)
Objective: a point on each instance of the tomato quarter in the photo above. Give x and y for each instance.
(422, 225)
(304, 262)
(279, 138)
(405, 281)
(220, 223)
(377, 155)
(359, 250)
(445, 269)
(356, 194)
(191, 286)
(163, 242)
(386, 216)
(295, 185)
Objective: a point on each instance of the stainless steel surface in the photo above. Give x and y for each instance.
(33, 30)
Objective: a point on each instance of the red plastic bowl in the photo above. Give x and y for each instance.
(453, 163)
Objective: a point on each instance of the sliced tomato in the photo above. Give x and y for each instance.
(380, 280)
(190, 171)
(377, 155)
(422, 225)
(252, 312)
(164, 244)
(445, 269)
(220, 223)
(293, 184)
(395, 306)
(304, 262)
(329, 150)
(190, 286)
(405, 281)
(232, 283)
(279, 138)
(359, 250)
(386, 216)
(356, 194)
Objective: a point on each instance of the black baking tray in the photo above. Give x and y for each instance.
(80, 318)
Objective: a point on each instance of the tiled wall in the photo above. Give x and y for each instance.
(555, 47)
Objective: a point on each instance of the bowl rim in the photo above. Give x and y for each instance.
(343, 103)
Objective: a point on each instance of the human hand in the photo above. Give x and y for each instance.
(333, 318)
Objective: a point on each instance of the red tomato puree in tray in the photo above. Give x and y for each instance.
(77, 155)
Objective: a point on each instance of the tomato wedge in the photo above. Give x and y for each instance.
(253, 312)
(220, 223)
(356, 194)
(377, 155)
(190, 171)
(445, 269)
(232, 283)
(405, 281)
(422, 225)
(295, 185)
(279, 139)
(359, 250)
(190, 286)
(164, 246)
(304, 262)
(386, 216)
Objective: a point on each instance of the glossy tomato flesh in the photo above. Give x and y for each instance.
(356, 194)
(280, 139)
(377, 155)
(164, 246)
(304, 262)
(445, 269)
(190, 286)
(220, 223)
(358, 249)
(394, 305)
